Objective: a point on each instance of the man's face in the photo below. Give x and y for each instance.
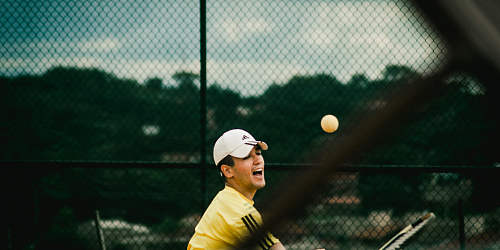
(249, 171)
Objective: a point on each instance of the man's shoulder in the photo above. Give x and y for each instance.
(230, 200)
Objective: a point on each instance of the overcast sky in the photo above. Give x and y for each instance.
(251, 44)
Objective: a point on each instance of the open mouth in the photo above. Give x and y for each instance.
(258, 172)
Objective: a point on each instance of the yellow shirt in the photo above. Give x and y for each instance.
(227, 222)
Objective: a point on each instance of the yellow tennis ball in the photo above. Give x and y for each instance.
(329, 123)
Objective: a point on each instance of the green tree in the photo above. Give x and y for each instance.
(359, 81)
(180, 125)
(398, 73)
(154, 83)
(224, 104)
(398, 193)
(186, 83)
(289, 113)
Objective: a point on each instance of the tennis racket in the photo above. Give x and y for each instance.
(407, 232)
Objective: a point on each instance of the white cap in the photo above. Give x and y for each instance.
(236, 142)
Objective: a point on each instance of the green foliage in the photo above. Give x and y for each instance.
(399, 193)
(62, 232)
(145, 191)
(168, 225)
(87, 114)
(223, 105)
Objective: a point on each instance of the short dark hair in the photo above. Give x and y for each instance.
(228, 160)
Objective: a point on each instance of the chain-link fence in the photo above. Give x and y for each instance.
(158, 208)
(114, 106)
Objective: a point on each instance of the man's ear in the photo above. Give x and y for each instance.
(227, 171)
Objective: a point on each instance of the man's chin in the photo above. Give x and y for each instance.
(260, 185)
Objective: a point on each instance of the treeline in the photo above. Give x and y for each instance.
(72, 114)
(88, 114)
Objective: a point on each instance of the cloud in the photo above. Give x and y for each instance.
(234, 30)
(371, 41)
(249, 46)
(322, 37)
(99, 45)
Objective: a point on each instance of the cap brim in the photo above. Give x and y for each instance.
(245, 149)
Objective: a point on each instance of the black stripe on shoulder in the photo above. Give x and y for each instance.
(253, 227)
(249, 224)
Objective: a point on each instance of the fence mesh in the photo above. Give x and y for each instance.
(102, 108)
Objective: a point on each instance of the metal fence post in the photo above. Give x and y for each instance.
(203, 91)
(461, 225)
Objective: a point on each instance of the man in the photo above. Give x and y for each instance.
(231, 217)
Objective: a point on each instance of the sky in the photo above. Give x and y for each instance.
(250, 44)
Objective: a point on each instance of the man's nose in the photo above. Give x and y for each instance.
(257, 158)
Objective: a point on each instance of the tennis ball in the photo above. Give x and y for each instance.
(329, 123)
